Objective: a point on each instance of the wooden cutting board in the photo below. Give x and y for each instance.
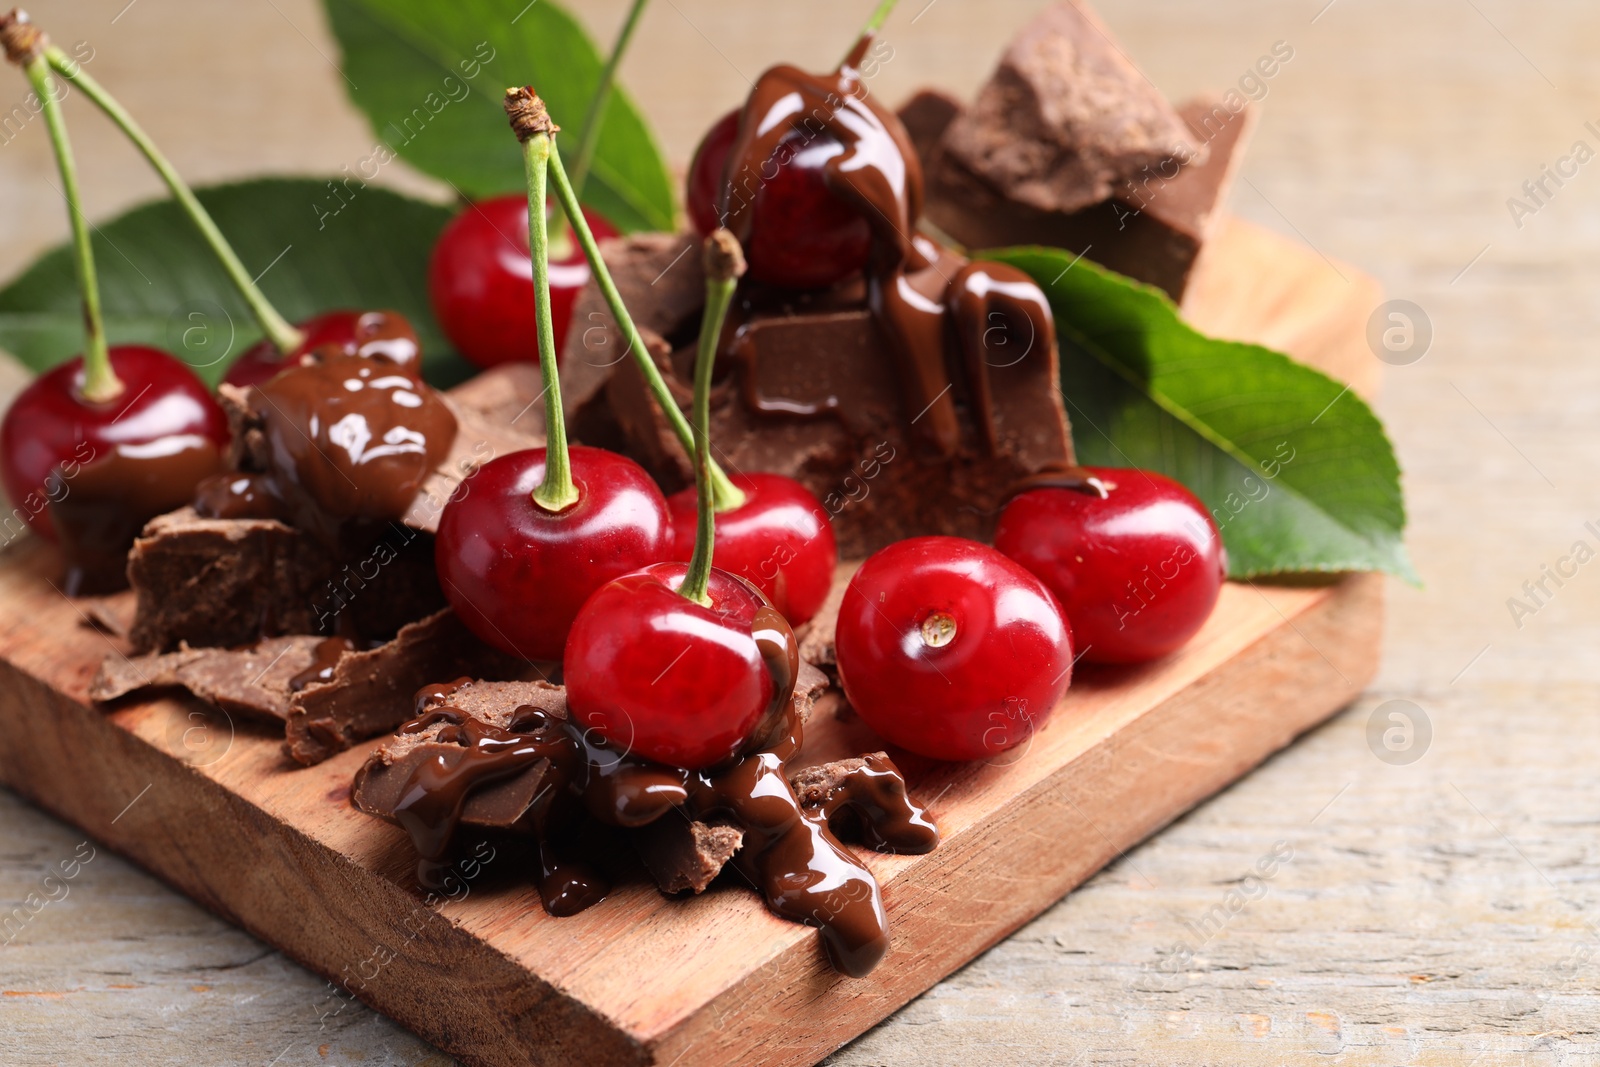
(213, 808)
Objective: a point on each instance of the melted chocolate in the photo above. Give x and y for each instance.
(109, 500)
(324, 661)
(790, 853)
(238, 496)
(1077, 479)
(919, 294)
(352, 437)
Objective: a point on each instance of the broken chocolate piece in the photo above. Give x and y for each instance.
(222, 582)
(1154, 229)
(926, 116)
(230, 582)
(1066, 117)
(253, 682)
(685, 855)
(369, 693)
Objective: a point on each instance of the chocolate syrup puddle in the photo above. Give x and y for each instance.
(109, 499)
(790, 853)
(919, 294)
(352, 437)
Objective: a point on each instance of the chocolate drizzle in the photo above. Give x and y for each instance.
(1077, 479)
(790, 853)
(920, 294)
(237, 496)
(352, 436)
(324, 660)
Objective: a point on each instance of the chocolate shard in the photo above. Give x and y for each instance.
(809, 684)
(221, 582)
(926, 116)
(816, 639)
(1066, 117)
(510, 805)
(254, 682)
(372, 692)
(684, 855)
(231, 582)
(1153, 229)
(858, 459)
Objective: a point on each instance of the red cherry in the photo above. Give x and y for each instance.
(949, 649)
(779, 540)
(356, 333)
(480, 280)
(658, 675)
(517, 574)
(111, 466)
(1137, 572)
(801, 235)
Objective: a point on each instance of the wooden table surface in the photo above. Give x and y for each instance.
(1436, 911)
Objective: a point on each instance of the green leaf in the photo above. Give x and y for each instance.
(430, 77)
(316, 250)
(1296, 468)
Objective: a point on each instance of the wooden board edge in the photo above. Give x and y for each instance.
(1325, 657)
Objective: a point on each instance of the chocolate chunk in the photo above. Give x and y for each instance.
(1066, 117)
(926, 116)
(230, 582)
(1153, 230)
(222, 582)
(865, 798)
(685, 855)
(111, 615)
(858, 459)
(504, 805)
(372, 692)
(252, 681)
(809, 684)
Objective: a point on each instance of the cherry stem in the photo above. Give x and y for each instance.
(725, 495)
(594, 119)
(724, 261)
(537, 134)
(278, 330)
(100, 382)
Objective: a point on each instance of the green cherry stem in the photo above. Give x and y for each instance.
(880, 15)
(273, 324)
(25, 46)
(534, 129)
(724, 262)
(725, 495)
(589, 139)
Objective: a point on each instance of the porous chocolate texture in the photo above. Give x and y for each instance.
(1154, 228)
(811, 391)
(1066, 117)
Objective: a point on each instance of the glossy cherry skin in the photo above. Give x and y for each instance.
(801, 235)
(480, 281)
(50, 430)
(662, 677)
(1137, 572)
(779, 540)
(949, 649)
(351, 332)
(517, 574)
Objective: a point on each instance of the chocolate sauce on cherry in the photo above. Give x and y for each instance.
(921, 295)
(1078, 479)
(352, 437)
(790, 854)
